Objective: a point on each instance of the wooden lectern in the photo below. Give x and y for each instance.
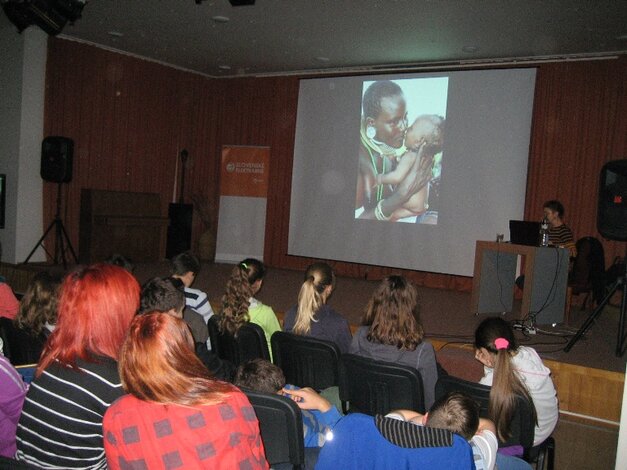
(546, 280)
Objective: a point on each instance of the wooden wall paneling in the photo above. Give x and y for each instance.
(132, 140)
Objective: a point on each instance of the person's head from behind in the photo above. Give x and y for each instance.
(185, 266)
(121, 261)
(162, 295)
(427, 129)
(392, 314)
(316, 289)
(38, 306)
(456, 412)
(553, 211)
(385, 113)
(495, 345)
(494, 336)
(260, 375)
(158, 363)
(245, 281)
(96, 305)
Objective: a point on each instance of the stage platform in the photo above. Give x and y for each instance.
(589, 378)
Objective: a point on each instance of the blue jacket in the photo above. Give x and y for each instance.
(358, 444)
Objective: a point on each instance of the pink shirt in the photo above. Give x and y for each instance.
(9, 305)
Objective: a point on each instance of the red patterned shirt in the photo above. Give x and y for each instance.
(140, 434)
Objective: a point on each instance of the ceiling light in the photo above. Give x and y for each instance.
(116, 34)
(322, 59)
(220, 19)
(470, 49)
(224, 67)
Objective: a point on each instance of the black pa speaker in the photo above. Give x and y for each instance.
(612, 209)
(56, 159)
(180, 229)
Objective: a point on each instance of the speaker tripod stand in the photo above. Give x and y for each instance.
(620, 283)
(61, 240)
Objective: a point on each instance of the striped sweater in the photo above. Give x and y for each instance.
(61, 422)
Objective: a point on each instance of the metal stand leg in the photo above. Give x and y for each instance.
(620, 340)
(61, 238)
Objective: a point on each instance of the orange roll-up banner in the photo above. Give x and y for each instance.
(243, 194)
(244, 171)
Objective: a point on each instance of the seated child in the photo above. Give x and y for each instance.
(164, 296)
(319, 416)
(423, 140)
(185, 268)
(459, 413)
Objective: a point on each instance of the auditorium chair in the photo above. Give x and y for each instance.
(522, 425)
(248, 343)
(20, 347)
(376, 387)
(281, 427)
(306, 361)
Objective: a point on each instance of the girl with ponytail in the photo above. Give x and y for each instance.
(239, 305)
(312, 316)
(513, 370)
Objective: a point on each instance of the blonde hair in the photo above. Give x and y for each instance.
(310, 298)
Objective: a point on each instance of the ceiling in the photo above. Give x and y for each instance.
(318, 36)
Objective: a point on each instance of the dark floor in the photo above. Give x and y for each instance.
(445, 314)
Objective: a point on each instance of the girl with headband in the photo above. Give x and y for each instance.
(239, 305)
(514, 370)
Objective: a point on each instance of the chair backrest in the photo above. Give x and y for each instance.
(376, 387)
(7, 463)
(281, 426)
(306, 361)
(588, 273)
(20, 347)
(522, 426)
(249, 342)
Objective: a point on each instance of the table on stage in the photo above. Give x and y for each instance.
(546, 280)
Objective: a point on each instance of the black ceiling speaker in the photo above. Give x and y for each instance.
(49, 15)
(241, 3)
(612, 208)
(56, 159)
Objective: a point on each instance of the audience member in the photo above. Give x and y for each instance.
(391, 331)
(239, 305)
(459, 413)
(9, 305)
(312, 316)
(38, 307)
(162, 295)
(319, 416)
(77, 377)
(513, 370)
(362, 442)
(121, 261)
(175, 414)
(168, 296)
(185, 268)
(12, 393)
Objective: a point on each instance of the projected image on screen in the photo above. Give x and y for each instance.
(400, 149)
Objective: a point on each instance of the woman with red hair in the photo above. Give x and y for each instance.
(175, 414)
(77, 376)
